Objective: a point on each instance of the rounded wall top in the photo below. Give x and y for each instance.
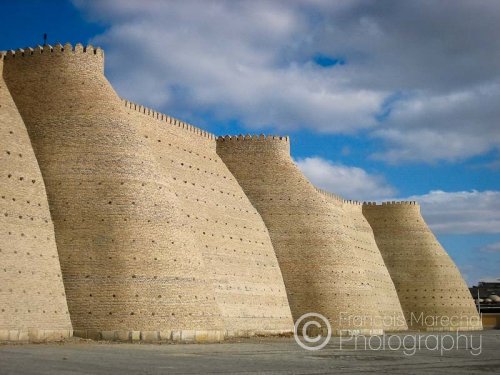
(254, 144)
(88, 57)
(57, 49)
(252, 138)
(391, 204)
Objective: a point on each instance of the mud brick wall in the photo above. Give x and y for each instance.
(320, 267)
(129, 263)
(428, 283)
(230, 233)
(32, 297)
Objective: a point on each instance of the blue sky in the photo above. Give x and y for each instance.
(392, 100)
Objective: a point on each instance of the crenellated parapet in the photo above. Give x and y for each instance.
(168, 119)
(339, 199)
(253, 137)
(333, 196)
(352, 202)
(390, 204)
(402, 210)
(73, 75)
(88, 56)
(56, 49)
(268, 144)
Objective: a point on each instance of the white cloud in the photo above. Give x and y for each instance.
(227, 58)
(492, 248)
(254, 61)
(349, 182)
(463, 212)
(452, 126)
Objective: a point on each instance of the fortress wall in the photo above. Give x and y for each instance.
(184, 130)
(426, 279)
(362, 239)
(32, 297)
(320, 268)
(131, 268)
(236, 247)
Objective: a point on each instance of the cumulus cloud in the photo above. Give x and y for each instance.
(446, 126)
(422, 77)
(229, 59)
(463, 212)
(349, 182)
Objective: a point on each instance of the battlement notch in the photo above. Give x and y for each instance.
(352, 202)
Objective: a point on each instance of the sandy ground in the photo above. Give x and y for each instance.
(476, 352)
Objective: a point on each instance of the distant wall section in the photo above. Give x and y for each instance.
(360, 234)
(321, 270)
(428, 283)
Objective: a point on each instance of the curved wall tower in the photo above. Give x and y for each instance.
(361, 236)
(130, 267)
(321, 270)
(231, 234)
(32, 297)
(431, 290)
(162, 232)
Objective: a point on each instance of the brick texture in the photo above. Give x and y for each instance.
(162, 231)
(30, 274)
(234, 241)
(320, 267)
(428, 283)
(360, 234)
(128, 260)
